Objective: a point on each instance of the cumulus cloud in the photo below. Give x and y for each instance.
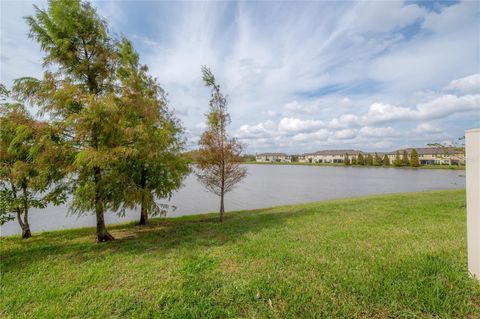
(296, 82)
(345, 134)
(297, 108)
(468, 84)
(428, 128)
(439, 107)
(297, 125)
(379, 132)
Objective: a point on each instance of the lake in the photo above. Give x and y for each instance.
(269, 185)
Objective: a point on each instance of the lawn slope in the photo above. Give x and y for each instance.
(392, 256)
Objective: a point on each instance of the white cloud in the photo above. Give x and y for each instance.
(345, 134)
(265, 129)
(314, 137)
(460, 15)
(379, 132)
(344, 121)
(382, 112)
(468, 84)
(447, 105)
(440, 106)
(297, 125)
(383, 16)
(296, 82)
(297, 108)
(428, 128)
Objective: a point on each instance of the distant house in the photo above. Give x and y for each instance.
(327, 156)
(273, 157)
(434, 155)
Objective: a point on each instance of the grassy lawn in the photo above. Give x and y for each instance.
(454, 167)
(394, 256)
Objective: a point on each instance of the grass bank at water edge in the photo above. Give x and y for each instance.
(390, 256)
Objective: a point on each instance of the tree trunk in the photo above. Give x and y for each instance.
(26, 233)
(143, 210)
(143, 216)
(102, 233)
(222, 207)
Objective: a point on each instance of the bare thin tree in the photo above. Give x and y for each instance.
(220, 156)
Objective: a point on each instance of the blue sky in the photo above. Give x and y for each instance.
(301, 76)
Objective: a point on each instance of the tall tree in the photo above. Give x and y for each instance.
(346, 160)
(386, 160)
(377, 160)
(405, 160)
(78, 93)
(360, 159)
(155, 166)
(414, 161)
(219, 155)
(398, 160)
(30, 165)
(369, 159)
(354, 160)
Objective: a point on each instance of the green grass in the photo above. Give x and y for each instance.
(391, 256)
(454, 167)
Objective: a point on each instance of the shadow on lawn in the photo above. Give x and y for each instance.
(160, 236)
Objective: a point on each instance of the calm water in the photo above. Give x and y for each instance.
(269, 185)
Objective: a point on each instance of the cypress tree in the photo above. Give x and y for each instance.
(154, 167)
(220, 155)
(360, 159)
(398, 160)
(354, 160)
(346, 160)
(31, 165)
(377, 160)
(386, 160)
(414, 161)
(79, 93)
(369, 159)
(405, 160)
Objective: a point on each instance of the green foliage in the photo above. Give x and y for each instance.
(360, 159)
(75, 39)
(154, 168)
(405, 160)
(126, 143)
(346, 160)
(377, 160)
(414, 161)
(398, 160)
(354, 160)
(31, 164)
(386, 160)
(78, 93)
(369, 160)
(219, 155)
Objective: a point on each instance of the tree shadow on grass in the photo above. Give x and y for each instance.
(160, 236)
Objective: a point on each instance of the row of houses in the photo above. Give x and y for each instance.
(426, 156)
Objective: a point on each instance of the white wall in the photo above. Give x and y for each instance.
(472, 147)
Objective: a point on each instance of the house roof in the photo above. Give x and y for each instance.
(272, 154)
(337, 152)
(430, 151)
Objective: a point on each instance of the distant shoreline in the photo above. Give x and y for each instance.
(452, 167)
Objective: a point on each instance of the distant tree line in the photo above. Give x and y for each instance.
(377, 160)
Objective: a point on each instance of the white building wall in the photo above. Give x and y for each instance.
(472, 146)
